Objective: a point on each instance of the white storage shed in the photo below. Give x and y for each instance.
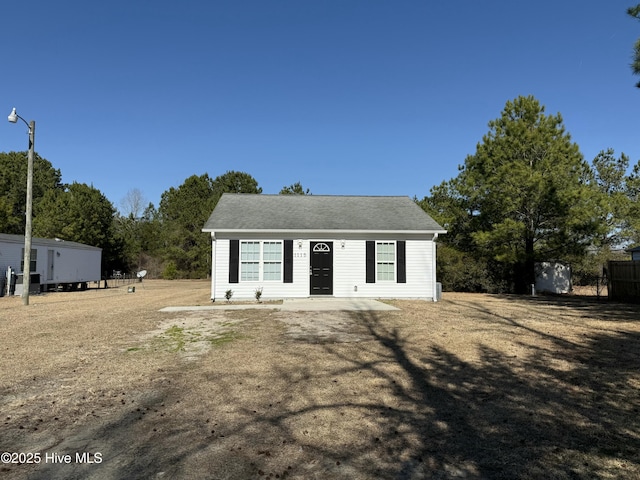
(553, 277)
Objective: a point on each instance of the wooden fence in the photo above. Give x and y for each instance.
(624, 281)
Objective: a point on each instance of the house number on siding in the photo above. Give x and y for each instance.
(300, 254)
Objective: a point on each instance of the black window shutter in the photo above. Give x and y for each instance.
(234, 260)
(371, 261)
(401, 261)
(288, 261)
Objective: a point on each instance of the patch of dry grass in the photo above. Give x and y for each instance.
(476, 386)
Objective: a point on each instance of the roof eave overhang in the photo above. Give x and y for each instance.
(309, 232)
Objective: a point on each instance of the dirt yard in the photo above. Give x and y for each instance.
(101, 385)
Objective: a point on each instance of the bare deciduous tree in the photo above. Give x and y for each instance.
(133, 204)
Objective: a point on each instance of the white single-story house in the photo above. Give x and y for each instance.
(54, 262)
(292, 246)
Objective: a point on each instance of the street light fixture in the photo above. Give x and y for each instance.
(26, 269)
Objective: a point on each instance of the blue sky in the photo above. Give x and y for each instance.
(354, 97)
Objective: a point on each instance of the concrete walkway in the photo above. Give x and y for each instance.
(297, 305)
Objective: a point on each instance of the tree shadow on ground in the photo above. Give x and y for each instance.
(587, 306)
(393, 406)
(505, 417)
(566, 410)
(563, 410)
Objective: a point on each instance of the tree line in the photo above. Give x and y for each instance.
(527, 195)
(167, 240)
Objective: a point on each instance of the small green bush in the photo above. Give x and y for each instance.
(463, 272)
(170, 271)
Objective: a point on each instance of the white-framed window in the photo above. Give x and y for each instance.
(260, 261)
(249, 261)
(33, 263)
(386, 261)
(272, 261)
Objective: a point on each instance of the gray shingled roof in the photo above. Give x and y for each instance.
(235, 212)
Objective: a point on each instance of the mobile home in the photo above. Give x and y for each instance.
(54, 263)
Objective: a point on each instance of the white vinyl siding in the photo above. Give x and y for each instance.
(349, 265)
(385, 261)
(260, 261)
(349, 270)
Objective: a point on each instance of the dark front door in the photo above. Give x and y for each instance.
(321, 268)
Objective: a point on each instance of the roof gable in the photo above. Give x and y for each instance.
(236, 212)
